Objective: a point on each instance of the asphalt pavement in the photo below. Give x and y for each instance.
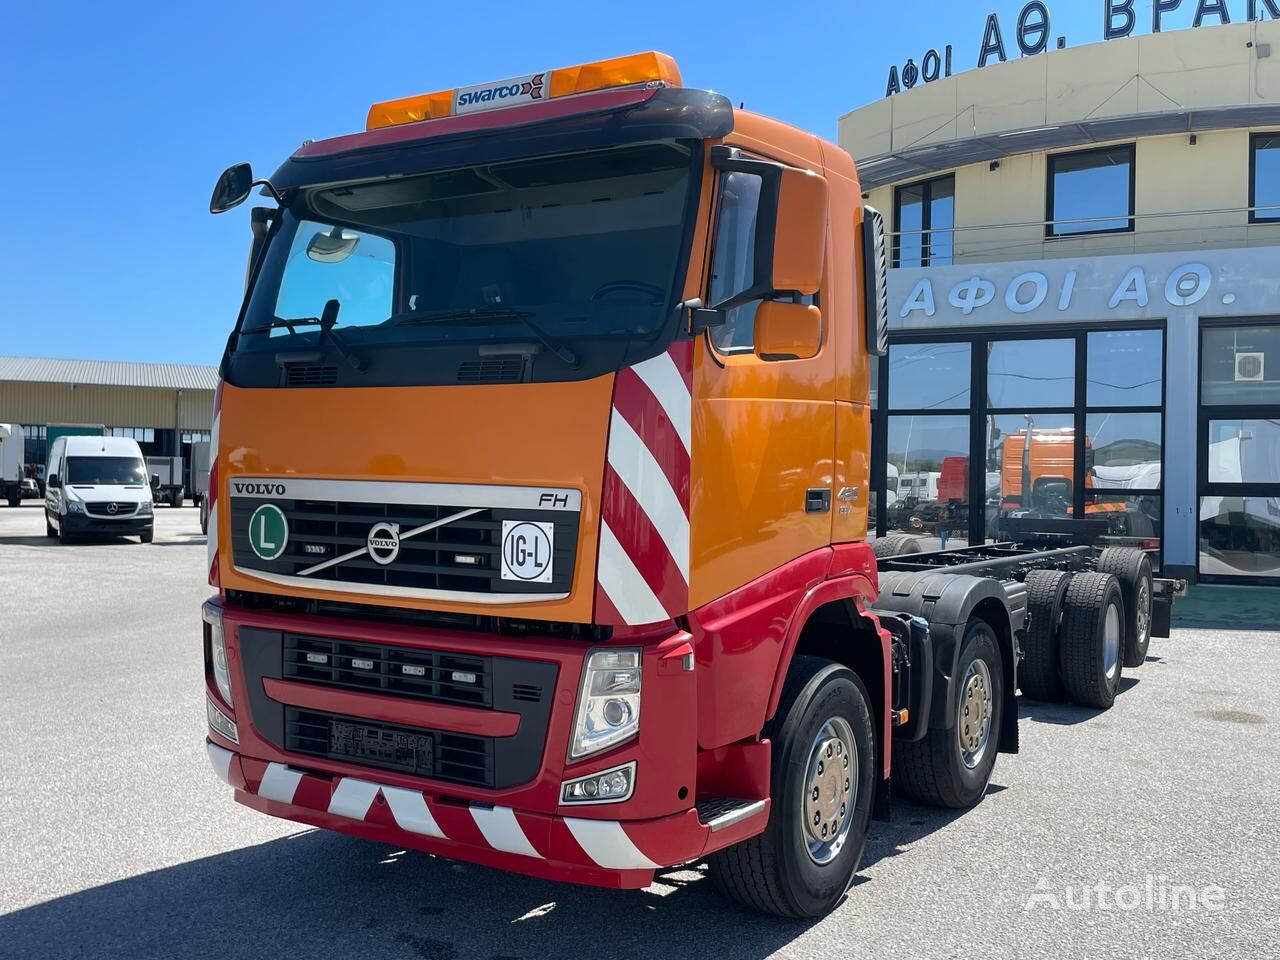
(119, 841)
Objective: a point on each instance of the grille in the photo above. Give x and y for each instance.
(312, 376)
(322, 530)
(102, 508)
(451, 756)
(384, 668)
(505, 369)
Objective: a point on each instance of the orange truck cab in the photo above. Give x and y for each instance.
(538, 498)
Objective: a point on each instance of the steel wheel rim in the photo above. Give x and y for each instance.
(1144, 612)
(1111, 642)
(973, 714)
(829, 790)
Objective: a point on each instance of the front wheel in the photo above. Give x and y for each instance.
(952, 765)
(147, 535)
(822, 785)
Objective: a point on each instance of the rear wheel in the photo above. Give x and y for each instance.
(1092, 636)
(822, 785)
(951, 766)
(204, 516)
(894, 545)
(1132, 568)
(15, 498)
(1038, 675)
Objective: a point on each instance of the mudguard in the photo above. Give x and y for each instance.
(946, 602)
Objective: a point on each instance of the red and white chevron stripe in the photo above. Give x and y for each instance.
(643, 573)
(212, 493)
(604, 843)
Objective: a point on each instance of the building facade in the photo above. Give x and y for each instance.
(164, 406)
(1085, 297)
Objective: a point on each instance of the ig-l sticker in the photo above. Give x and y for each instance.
(526, 550)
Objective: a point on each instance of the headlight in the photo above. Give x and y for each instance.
(74, 506)
(608, 702)
(144, 508)
(217, 651)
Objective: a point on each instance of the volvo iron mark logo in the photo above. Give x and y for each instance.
(384, 542)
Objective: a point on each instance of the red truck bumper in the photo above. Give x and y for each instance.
(518, 823)
(607, 853)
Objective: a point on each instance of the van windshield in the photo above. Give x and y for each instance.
(566, 253)
(117, 470)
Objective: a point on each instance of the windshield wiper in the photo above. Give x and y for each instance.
(325, 322)
(486, 314)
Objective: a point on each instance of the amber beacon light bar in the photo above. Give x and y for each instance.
(636, 68)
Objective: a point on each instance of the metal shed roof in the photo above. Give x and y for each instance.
(109, 373)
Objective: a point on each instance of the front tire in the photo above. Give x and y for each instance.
(824, 742)
(952, 765)
(49, 532)
(147, 535)
(64, 536)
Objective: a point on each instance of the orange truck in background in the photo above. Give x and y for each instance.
(538, 501)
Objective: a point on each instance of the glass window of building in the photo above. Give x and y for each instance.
(1264, 178)
(1090, 191)
(924, 221)
(1023, 374)
(929, 376)
(1126, 368)
(1240, 453)
(1240, 366)
(928, 463)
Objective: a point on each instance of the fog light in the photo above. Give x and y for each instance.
(219, 722)
(607, 786)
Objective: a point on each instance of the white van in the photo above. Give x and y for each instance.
(97, 485)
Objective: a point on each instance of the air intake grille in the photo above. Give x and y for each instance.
(504, 369)
(412, 750)
(312, 376)
(385, 668)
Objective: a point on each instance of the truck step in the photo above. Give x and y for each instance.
(720, 812)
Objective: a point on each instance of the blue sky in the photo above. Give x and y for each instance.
(117, 118)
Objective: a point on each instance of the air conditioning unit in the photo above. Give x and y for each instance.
(1249, 367)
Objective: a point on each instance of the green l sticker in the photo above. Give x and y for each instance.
(268, 531)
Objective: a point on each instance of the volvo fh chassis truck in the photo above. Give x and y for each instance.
(538, 504)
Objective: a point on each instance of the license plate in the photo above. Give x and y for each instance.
(378, 746)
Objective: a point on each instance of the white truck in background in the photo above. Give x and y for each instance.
(170, 488)
(200, 480)
(12, 471)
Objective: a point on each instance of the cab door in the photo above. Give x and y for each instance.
(764, 412)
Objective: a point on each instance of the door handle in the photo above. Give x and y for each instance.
(817, 500)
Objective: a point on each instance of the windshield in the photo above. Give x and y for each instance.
(119, 470)
(553, 253)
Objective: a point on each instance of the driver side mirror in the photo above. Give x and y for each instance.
(232, 188)
(54, 482)
(789, 235)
